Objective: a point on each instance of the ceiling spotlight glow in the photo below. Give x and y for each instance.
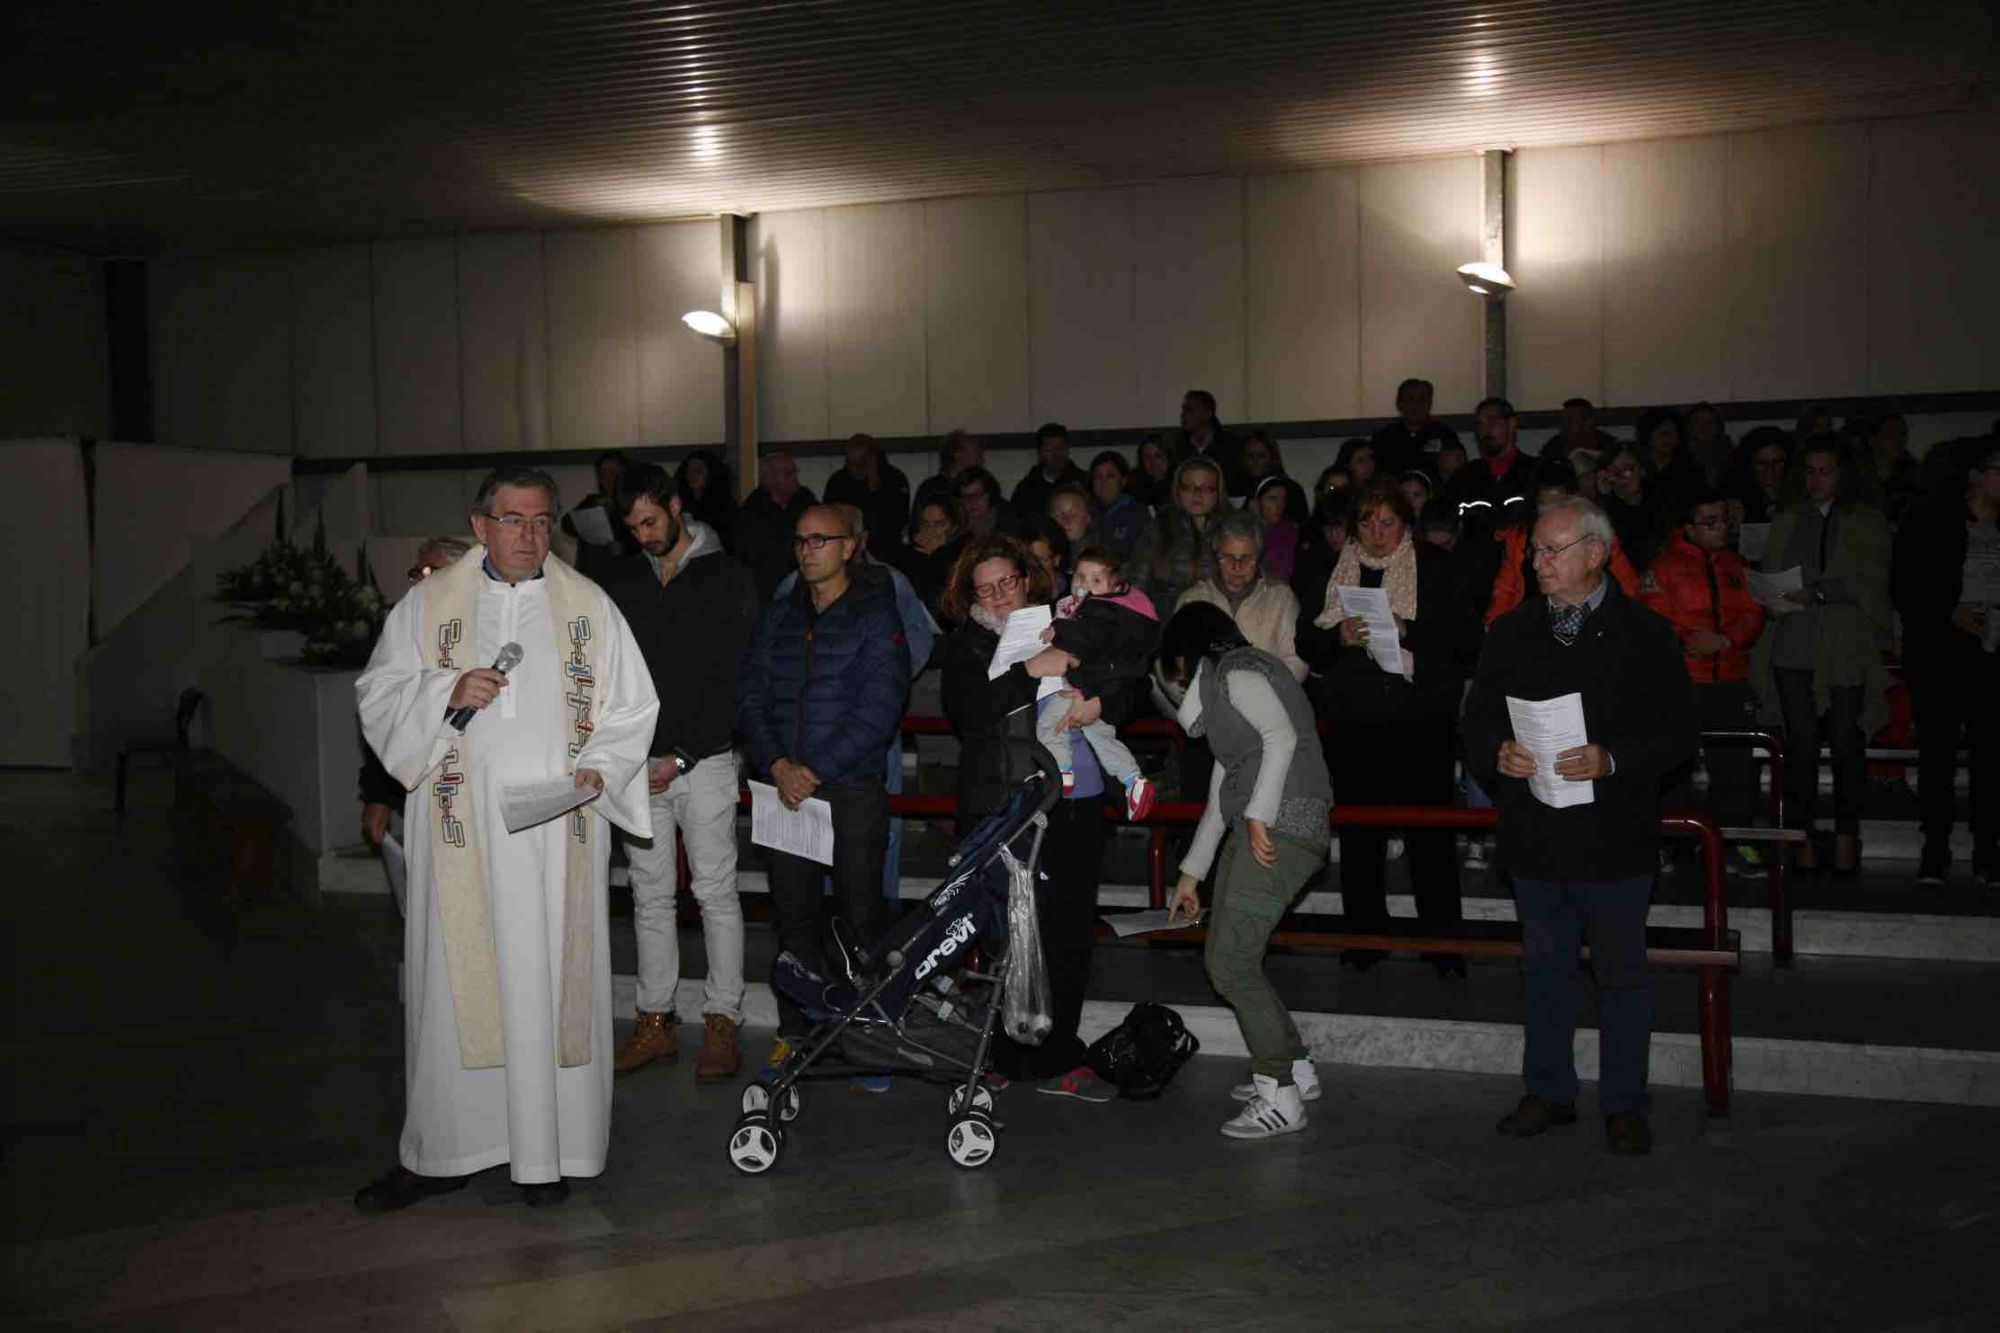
(707, 142)
(1483, 78)
(1482, 279)
(709, 325)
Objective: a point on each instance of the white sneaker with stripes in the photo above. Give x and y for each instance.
(1304, 1077)
(1274, 1110)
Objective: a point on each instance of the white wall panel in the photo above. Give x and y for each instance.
(1188, 294)
(680, 375)
(1555, 318)
(413, 504)
(976, 313)
(416, 347)
(875, 320)
(789, 265)
(1419, 222)
(1301, 252)
(182, 333)
(1933, 289)
(593, 338)
(1083, 347)
(1797, 319)
(503, 322)
(333, 363)
(253, 352)
(1665, 274)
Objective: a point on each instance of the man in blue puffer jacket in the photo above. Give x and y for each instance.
(823, 689)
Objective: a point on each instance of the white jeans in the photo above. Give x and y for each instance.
(701, 806)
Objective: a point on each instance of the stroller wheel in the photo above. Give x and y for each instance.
(754, 1146)
(971, 1142)
(982, 1099)
(757, 1098)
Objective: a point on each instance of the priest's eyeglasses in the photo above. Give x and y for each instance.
(539, 524)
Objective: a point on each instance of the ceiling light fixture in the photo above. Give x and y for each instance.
(1482, 279)
(707, 324)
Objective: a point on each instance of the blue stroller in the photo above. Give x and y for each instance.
(910, 1005)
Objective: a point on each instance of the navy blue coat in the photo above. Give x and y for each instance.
(825, 689)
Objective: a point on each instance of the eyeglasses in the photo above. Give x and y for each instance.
(1000, 587)
(1236, 559)
(541, 525)
(1551, 552)
(816, 541)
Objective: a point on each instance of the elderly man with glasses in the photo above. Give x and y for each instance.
(1583, 869)
(821, 695)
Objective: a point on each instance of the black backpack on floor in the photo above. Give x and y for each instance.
(1141, 1055)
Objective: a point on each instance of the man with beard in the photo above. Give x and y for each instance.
(1494, 492)
(691, 608)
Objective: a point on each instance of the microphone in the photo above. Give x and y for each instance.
(461, 718)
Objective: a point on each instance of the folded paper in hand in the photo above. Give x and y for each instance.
(1545, 728)
(592, 524)
(526, 804)
(1372, 606)
(1770, 589)
(1021, 639)
(398, 868)
(806, 831)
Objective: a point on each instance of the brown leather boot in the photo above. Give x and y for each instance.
(1847, 854)
(653, 1038)
(721, 1054)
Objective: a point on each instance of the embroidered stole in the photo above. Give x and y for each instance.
(451, 616)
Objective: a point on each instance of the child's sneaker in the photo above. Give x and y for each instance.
(1138, 797)
(1069, 783)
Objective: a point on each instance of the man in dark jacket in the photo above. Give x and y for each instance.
(1051, 472)
(1202, 436)
(1582, 871)
(1495, 492)
(1410, 443)
(691, 608)
(879, 490)
(822, 691)
(761, 535)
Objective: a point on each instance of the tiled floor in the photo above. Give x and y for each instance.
(190, 1099)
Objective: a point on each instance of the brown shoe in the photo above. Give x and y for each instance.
(653, 1038)
(1535, 1115)
(1846, 854)
(721, 1054)
(1627, 1133)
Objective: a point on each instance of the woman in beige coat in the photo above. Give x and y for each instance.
(1818, 665)
(1264, 609)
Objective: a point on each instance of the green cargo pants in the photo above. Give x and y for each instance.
(1249, 901)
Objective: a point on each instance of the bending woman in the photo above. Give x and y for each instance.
(1270, 792)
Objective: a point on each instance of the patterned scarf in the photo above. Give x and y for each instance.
(1399, 578)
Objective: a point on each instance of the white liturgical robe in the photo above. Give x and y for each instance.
(544, 1119)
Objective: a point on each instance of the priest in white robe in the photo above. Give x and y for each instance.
(507, 969)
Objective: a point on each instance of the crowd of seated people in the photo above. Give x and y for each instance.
(1894, 559)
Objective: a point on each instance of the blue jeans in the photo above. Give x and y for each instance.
(1557, 917)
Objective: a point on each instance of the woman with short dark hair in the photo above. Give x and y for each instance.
(1120, 517)
(1393, 739)
(1267, 807)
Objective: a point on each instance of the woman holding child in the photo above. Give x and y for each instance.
(995, 721)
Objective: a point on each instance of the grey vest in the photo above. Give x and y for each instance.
(1239, 748)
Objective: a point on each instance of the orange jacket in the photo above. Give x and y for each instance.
(1696, 589)
(1511, 584)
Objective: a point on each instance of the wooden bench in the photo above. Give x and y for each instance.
(233, 819)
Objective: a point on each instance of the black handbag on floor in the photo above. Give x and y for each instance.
(1141, 1055)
